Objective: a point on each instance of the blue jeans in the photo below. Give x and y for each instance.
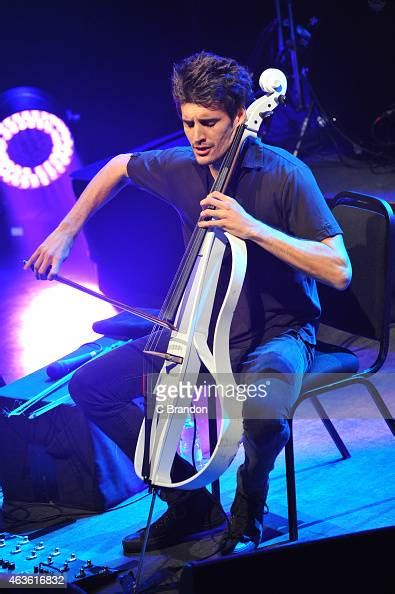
(278, 366)
(109, 391)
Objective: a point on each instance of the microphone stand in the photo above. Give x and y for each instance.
(298, 76)
(291, 46)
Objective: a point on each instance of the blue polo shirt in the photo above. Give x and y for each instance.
(274, 187)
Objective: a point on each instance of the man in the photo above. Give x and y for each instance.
(292, 239)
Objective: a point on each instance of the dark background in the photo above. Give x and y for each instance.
(110, 62)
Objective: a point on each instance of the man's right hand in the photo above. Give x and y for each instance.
(48, 257)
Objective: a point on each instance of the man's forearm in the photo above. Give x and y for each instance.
(95, 194)
(316, 258)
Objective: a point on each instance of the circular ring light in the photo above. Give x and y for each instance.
(36, 147)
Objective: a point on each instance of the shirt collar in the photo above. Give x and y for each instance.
(252, 158)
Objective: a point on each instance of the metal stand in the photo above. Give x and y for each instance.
(140, 566)
(299, 77)
(314, 108)
(290, 46)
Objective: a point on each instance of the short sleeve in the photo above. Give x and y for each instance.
(150, 171)
(307, 215)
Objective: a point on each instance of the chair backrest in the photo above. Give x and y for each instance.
(364, 308)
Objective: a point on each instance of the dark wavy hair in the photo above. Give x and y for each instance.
(212, 81)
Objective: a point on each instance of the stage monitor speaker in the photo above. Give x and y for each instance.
(58, 458)
(357, 562)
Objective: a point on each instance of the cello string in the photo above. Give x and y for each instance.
(185, 268)
(198, 233)
(175, 293)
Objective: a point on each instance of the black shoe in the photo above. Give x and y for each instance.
(244, 532)
(194, 515)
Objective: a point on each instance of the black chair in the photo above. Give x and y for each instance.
(363, 310)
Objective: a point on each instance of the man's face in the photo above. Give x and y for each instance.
(209, 131)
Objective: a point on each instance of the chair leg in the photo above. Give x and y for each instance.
(330, 428)
(385, 413)
(291, 487)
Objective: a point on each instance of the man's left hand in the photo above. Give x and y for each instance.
(228, 215)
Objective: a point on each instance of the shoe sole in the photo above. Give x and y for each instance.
(240, 549)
